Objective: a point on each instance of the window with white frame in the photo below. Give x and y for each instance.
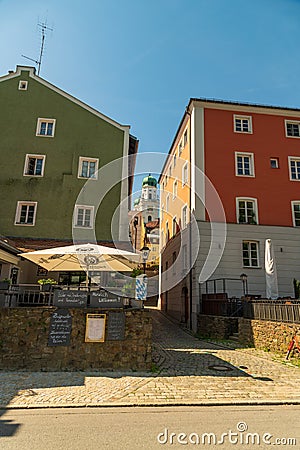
(175, 186)
(185, 138)
(88, 167)
(247, 210)
(25, 213)
(23, 85)
(180, 148)
(185, 174)
(242, 124)
(274, 163)
(296, 213)
(167, 232)
(292, 129)
(184, 217)
(83, 216)
(244, 164)
(174, 160)
(45, 127)
(250, 254)
(167, 202)
(294, 166)
(170, 170)
(34, 165)
(174, 226)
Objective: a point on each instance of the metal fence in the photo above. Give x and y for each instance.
(274, 310)
(220, 305)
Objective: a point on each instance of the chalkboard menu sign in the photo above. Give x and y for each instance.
(116, 326)
(70, 299)
(60, 328)
(105, 299)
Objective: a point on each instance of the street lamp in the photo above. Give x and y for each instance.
(146, 251)
(244, 280)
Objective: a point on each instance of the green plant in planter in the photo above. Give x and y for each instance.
(47, 281)
(136, 272)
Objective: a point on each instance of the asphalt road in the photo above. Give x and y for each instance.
(230, 427)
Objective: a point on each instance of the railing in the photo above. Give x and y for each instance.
(220, 305)
(31, 295)
(285, 310)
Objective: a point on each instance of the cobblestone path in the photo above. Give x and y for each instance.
(189, 371)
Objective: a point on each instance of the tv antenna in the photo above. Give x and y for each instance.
(38, 62)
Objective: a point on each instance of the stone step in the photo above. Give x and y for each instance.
(234, 337)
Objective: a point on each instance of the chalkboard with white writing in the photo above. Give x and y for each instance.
(116, 326)
(70, 299)
(105, 299)
(60, 328)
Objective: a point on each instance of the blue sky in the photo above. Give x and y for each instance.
(139, 62)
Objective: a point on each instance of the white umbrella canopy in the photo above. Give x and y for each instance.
(83, 257)
(271, 272)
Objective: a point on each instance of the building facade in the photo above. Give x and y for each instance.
(246, 160)
(144, 219)
(51, 145)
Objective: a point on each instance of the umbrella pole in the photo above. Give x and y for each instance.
(87, 277)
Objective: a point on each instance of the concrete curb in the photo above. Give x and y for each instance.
(158, 405)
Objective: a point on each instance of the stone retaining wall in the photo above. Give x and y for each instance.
(266, 335)
(24, 342)
(261, 334)
(216, 327)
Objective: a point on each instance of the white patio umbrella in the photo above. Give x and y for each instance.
(83, 257)
(271, 272)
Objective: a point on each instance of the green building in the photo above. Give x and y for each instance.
(51, 144)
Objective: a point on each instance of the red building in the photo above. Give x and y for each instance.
(236, 164)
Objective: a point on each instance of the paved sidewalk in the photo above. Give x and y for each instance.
(190, 372)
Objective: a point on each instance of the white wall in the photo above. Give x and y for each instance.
(286, 243)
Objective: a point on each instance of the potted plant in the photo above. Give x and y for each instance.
(4, 284)
(46, 284)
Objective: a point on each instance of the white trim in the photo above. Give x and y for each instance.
(293, 158)
(40, 120)
(180, 147)
(285, 127)
(183, 180)
(89, 159)
(20, 203)
(23, 85)
(242, 117)
(75, 216)
(252, 109)
(167, 203)
(31, 72)
(251, 199)
(175, 189)
(193, 158)
(294, 202)
(183, 226)
(276, 159)
(29, 155)
(174, 220)
(185, 133)
(251, 155)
